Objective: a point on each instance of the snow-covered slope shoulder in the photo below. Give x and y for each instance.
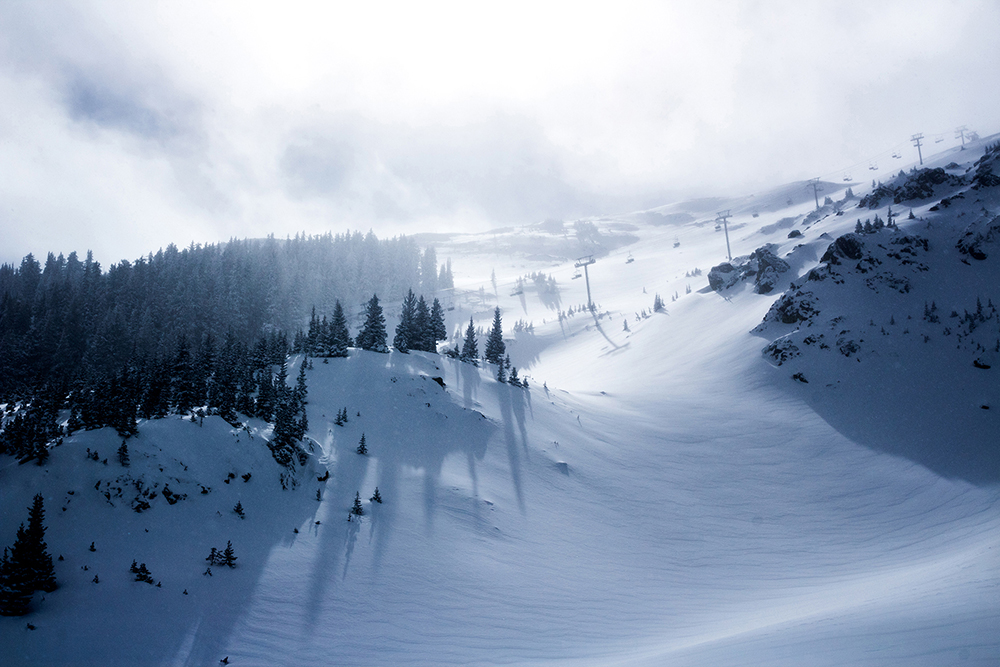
(895, 337)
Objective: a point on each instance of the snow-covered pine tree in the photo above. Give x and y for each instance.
(470, 348)
(376, 497)
(372, 335)
(405, 337)
(238, 509)
(495, 347)
(357, 509)
(362, 448)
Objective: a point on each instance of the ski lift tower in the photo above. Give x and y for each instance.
(585, 262)
(723, 215)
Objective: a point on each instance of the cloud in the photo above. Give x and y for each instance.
(127, 126)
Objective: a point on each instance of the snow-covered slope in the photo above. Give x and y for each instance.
(664, 493)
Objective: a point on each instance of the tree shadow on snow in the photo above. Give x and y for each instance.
(413, 424)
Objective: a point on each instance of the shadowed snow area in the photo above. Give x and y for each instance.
(664, 493)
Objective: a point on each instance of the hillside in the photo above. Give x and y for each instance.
(718, 483)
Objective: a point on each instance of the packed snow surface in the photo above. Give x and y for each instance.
(662, 494)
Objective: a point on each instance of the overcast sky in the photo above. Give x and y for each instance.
(125, 126)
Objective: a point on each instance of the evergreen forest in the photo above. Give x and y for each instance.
(208, 327)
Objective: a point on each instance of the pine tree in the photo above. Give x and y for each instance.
(362, 448)
(228, 555)
(266, 398)
(357, 509)
(213, 557)
(495, 347)
(470, 348)
(43, 575)
(123, 455)
(239, 510)
(423, 335)
(514, 380)
(15, 591)
(405, 337)
(376, 497)
(143, 574)
(312, 338)
(183, 378)
(340, 337)
(372, 335)
(438, 331)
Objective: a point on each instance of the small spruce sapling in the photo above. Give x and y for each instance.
(376, 497)
(239, 510)
(362, 448)
(357, 509)
(123, 455)
(229, 555)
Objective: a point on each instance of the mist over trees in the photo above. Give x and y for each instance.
(204, 329)
(69, 318)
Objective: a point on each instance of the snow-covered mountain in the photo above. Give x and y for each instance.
(797, 467)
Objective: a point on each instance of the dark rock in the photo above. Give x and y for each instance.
(977, 235)
(781, 350)
(723, 276)
(769, 268)
(762, 263)
(848, 246)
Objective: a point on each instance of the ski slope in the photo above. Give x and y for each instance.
(661, 495)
